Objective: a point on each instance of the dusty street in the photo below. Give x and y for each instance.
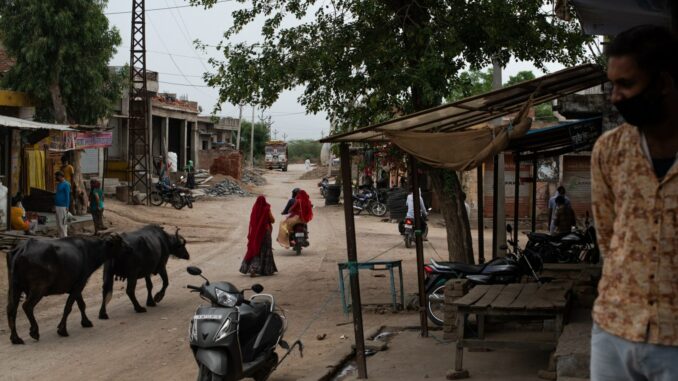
(153, 345)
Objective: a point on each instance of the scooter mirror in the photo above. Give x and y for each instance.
(509, 228)
(194, 270)
(257, 288)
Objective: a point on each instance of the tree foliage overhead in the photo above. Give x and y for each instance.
(62, 49)
(364, 60)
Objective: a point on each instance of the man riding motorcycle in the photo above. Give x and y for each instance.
(422, 208)
(291, 201)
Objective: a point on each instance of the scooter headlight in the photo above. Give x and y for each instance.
(226, 299)
(223, 331)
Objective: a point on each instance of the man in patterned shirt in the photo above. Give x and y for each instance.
(635, 203)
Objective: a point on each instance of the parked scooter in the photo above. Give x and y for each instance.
(299, 238)
(235, 338)
(503, 270)
(368, 199)
(323, 185)
(573, 247)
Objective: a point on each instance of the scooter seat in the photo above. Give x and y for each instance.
(458, 267)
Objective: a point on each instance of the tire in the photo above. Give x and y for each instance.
(204, 374)
(155, 198)
(297, 249)
(408, 241)
(189, 203)
(178, 202)
(378, 209)
(284, 169)
(355, 210)
(435, 305)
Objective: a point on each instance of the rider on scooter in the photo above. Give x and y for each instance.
(291, 201)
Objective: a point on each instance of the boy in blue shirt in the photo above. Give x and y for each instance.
(62, 200)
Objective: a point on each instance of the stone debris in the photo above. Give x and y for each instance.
(227, 187)
(253, 176)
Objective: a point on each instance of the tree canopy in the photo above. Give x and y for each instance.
(261, 136)
(300, 150)
(62, 49)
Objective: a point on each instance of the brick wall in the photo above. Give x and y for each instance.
(221, 162)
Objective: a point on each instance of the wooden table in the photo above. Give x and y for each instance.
(525, 300)
(385, 265)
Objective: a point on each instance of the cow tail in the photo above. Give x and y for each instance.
(12, 280)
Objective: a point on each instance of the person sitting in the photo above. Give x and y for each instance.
(300, 213)
(291, 201)
(19, 219)
(564, 217)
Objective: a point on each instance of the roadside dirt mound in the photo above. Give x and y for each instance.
(319, 173)
(254, 176)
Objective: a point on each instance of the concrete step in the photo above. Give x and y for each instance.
(573, 354)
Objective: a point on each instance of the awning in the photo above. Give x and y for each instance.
(566, 137)
(475, 110)
(8, 121)
(610, 17)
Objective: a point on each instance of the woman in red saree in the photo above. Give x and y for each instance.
(300, 213)
(259, 257)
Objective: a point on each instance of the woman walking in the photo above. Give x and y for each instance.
(259, 257)
(300, 213)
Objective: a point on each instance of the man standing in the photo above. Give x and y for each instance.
(635, 198)
(564, 218)
(69, 175)
(62, 200)
(552, 207)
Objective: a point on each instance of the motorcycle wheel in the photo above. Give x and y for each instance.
(357, 209)
(155, 198)
(189, 203)
(408, 241)
(435, 305)
(265, 373)
(378, 209)
(178, 202)
(204, 374)
(297, 249)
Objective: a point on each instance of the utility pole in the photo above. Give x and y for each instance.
(275, 134)
(284, 136)
(237, 143)
(252, 139)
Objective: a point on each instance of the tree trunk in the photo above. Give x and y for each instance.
(60, 115)
(448, 191)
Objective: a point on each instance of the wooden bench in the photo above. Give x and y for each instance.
(525, 300)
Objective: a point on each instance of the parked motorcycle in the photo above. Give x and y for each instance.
(323, 185)
(235, 338)
(573, 247)
(170, 195)
(503, 270)
(299, 238)
(368, 199)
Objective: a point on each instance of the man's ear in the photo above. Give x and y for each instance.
(667, 83)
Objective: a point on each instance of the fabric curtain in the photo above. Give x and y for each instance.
(35, 165)
(462, 150)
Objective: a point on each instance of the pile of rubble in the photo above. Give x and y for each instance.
(253, 176)
(319, 173)
(227, 187)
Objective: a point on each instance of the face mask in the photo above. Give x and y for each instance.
(644, 109)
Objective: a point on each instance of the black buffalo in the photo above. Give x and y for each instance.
(146, 254)
(49, 267)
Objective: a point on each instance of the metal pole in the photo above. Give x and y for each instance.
(481, 215)
(8, 173)
(516, 195)
(534, 194)
(351, 248)
(495, 201)
(419, 244)
(237, 143)
(252, 139)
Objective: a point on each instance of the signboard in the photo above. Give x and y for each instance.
(62, 141)
(584, 135)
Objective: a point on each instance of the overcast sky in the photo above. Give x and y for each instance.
(169, 36)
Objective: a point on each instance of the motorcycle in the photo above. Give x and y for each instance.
(573, 247)
(368, 199)
(299, 237)
(170, 195)
(235, 338)
(323, 185)
(503, 270)
(406, 228)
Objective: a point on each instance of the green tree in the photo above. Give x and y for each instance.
(62, 49)
(300, 150)
(261, 136)
(542, 111)
(362, 61)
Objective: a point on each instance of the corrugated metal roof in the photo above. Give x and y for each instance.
(478, 109)
(8, 121)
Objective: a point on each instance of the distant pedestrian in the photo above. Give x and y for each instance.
(62, 201)
(307, 164)
(552, 207)
(69, 175)
(190, 175)
(564, 217)
(96, 205)
(259, 257)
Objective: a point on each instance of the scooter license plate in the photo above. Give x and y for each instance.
(299, 235)
(408, 227)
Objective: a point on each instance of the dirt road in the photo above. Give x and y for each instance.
(153, 345)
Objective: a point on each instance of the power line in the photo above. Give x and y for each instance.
(158, 9)
(185, 84)
(184, 31)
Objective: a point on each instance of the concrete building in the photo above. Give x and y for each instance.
(216, 132)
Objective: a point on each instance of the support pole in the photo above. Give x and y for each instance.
(352, 250)
(237, 142)
(252, 140)
(516, 195)
(495, 202)
(534, 194)
(481, 215)
(7, 153)
(419, 244)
